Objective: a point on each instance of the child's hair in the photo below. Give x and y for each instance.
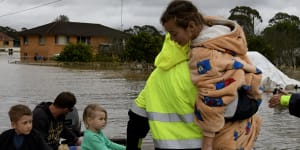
(89, 112)
(182, 12)
(17, 111)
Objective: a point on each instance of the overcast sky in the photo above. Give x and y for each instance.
(32, 13)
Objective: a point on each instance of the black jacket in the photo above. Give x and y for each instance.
(32, 141)
(294, 105)
(50, 128)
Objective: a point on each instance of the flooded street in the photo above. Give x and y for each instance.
(31, 84)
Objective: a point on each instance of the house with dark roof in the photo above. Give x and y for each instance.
(7, 42)
(49, 40)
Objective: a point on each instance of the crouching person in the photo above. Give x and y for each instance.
(49, 120)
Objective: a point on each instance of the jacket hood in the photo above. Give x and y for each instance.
(171, 54)
(222, 35)
(44, 105)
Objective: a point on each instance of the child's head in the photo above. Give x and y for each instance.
(183, 21)
(21, 118)
(94, 117)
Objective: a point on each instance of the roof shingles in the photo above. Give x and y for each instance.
(74, 29)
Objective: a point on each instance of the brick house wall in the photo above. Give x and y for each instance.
(50, 48)
(49, 40)
(6, 42)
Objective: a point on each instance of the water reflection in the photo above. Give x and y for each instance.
(30, 85)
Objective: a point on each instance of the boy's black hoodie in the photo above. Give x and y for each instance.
(32, 141)
(50, 128)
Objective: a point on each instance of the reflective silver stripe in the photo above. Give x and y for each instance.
(178, 144)
(170, 117)
(139, 111)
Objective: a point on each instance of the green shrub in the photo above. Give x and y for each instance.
(76, 53)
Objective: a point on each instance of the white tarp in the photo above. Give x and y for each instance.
(272, 76)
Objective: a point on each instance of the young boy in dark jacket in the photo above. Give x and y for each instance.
(21, 136)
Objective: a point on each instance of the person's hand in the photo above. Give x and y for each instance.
(78, 142)
(274, 100)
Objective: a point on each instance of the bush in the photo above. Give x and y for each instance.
(76, 53)
(143, 47)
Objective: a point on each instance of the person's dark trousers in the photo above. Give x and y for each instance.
(137, 129)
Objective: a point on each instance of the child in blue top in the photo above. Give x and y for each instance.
(95, 119)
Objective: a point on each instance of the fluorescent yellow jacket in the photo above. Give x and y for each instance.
(168, 98)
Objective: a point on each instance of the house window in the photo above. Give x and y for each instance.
(5, 43)
(61, 40)
(25, 40)
(16, 43)
(41, 39)
(104, 47)
(83, 39)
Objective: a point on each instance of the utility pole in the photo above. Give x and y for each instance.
(121, 15)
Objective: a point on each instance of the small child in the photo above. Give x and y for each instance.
(94, 118)
(21, 136)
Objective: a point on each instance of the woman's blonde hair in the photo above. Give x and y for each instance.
(89, 112)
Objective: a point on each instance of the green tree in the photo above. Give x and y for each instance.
(62, 18)
(8, 30)
(144, 44)
(142, 47)
(283, 35)
(145, 28)
(258, 43)
(76, 53)
(246, 17)
(282, 17)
